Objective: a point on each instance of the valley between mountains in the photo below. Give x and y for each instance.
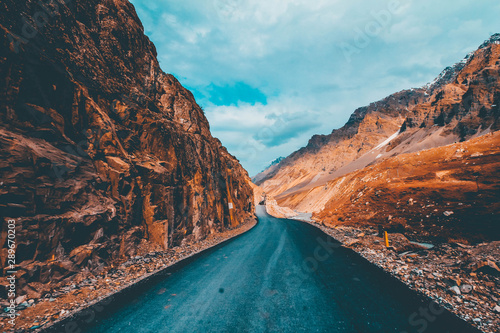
(124, 204)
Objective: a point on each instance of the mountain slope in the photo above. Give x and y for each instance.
(103, 154)
(463, 102)
(449, 193)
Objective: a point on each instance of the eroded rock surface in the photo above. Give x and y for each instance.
(101, 151)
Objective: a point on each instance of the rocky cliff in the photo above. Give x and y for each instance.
(102, 153)
(463, 102)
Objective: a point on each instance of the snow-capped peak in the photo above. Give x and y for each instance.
(450, 73)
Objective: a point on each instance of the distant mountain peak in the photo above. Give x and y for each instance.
(278, 160)
(273, 165)
(274, 162)
(450, 73)
(494, 39)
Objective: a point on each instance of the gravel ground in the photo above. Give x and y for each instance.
(462, 278)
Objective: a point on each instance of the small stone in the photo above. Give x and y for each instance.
(20, 299)
(466, 288)
(23, 306)
(496, 309)
(455, 290)
(418, 272)
(476, 320)
(448, 213)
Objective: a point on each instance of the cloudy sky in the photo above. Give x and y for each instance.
(271, 73)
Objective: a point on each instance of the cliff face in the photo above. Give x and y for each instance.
(463, 102)
(100, 150)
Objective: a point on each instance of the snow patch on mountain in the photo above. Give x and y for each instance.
(386, 142)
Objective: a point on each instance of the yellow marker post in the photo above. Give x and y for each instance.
(386, 237)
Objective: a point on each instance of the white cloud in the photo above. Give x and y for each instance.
(290, 51)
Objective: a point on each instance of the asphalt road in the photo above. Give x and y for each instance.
(282, 276)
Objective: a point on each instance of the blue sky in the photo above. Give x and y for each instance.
(271, 73)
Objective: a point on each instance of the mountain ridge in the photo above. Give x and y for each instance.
(443, 102)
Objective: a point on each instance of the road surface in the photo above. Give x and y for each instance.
(282, 276)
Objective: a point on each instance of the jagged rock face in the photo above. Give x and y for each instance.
(101, 149)
(464, 101)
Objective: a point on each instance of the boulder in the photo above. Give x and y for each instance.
(466, 288)
(21, 299)
(455, 290)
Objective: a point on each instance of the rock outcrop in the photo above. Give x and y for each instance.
(101, 151)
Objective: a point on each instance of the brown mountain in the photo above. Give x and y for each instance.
(389, 152)
(447, 193)
(463, 102)
(102, 153)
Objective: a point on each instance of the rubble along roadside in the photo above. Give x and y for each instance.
(465, 279)
(85, 290)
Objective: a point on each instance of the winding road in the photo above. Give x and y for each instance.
(281, 276)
